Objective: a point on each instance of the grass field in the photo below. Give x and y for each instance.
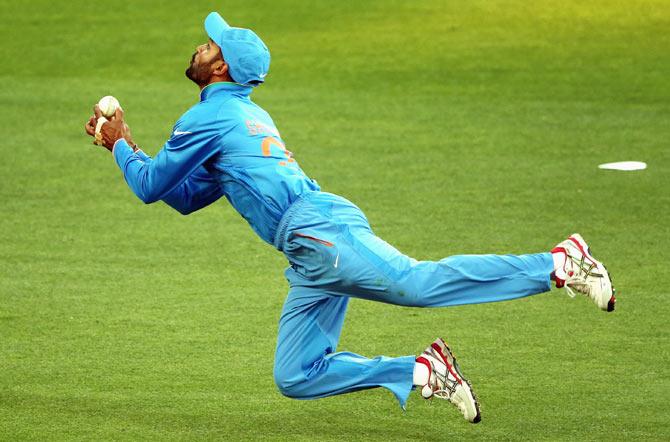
(458, 127)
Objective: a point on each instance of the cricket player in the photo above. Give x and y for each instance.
(226, 145)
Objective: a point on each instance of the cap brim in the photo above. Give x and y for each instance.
(214, 26)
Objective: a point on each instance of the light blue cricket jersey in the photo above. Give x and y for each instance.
(224, 145)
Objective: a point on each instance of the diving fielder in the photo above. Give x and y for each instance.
(226, 145)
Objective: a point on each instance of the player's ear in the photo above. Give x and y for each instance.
(220, 68)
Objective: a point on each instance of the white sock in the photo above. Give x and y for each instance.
(421, 374)
(559, 264)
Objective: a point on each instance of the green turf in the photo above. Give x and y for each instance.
(458, 127)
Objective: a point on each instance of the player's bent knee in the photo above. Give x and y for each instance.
(288, 383)
(288, 387)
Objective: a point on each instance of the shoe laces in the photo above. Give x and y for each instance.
(577, 280)
(442, 384)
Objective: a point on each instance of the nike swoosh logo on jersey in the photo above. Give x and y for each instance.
(179, 132)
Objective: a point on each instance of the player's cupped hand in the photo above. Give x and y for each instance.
(92, 122)
(110, 131)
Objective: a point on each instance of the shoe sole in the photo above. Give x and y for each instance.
(612, 301)
(478, 416)
(585, 249)
(468, 389)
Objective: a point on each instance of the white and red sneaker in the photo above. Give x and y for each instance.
(445, 380)
(582, 273)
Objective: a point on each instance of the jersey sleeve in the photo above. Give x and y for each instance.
(181, 156)
(199, 190)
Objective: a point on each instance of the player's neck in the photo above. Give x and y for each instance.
(217, 79)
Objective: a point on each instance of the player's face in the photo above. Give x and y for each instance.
(203, 63)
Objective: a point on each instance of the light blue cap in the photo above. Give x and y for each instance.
(247, 56)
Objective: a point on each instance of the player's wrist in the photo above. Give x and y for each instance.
(117, 142)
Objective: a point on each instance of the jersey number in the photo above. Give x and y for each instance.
(268, 142)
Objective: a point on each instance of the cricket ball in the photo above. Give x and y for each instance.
(108, 106)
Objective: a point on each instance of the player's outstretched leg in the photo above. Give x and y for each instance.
(307, 363)
(578, 271)
(443, 379)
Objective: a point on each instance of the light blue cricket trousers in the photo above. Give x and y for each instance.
(334, 255)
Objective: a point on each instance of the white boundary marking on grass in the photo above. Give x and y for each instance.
(624, 165)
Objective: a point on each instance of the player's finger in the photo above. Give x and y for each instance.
(118, 114)
(90, 126)
(97, 111)
(99, 124)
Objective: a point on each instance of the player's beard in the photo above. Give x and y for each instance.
(200, 74)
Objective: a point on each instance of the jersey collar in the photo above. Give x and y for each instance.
(224, 88)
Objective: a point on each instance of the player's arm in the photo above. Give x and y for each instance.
(179, 158)
(190, 146)
(199, 190)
